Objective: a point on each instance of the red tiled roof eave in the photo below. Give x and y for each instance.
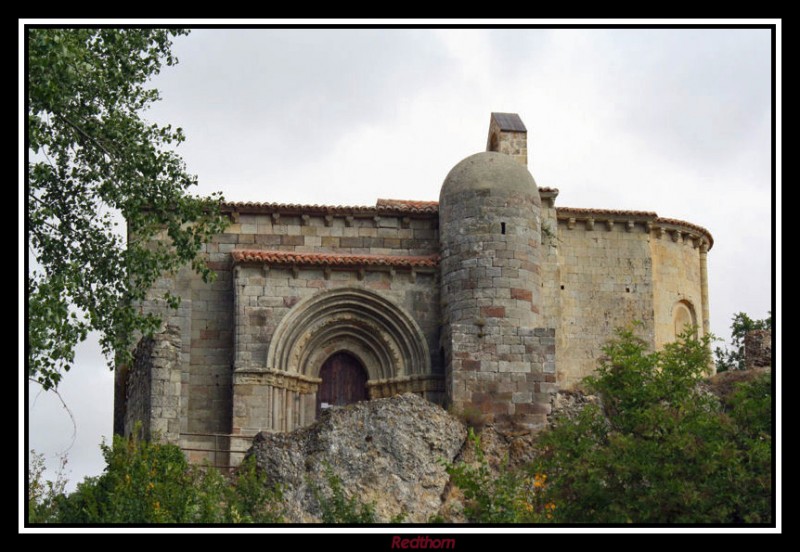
(383, 207)
(407, 204)
(577, 211)
(333, 259)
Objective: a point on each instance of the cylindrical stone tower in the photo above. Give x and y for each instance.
(489, 228)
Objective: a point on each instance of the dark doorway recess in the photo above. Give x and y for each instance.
(344, 381)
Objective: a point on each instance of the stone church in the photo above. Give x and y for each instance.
(486, 301)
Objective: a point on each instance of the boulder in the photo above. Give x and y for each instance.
(390, 452)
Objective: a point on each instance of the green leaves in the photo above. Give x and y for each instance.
(94, 162)
(334, 505)
(733, 359)
(661, 450)
(147, 482)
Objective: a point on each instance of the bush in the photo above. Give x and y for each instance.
(147, 482)
(43, 495)
(507, 496)
(143, 483)
(661, 451)
(335, 507)
(658, 450)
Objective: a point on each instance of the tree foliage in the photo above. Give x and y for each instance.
(733, 358)
(657, 449)
(499, 496)
(662, 450)
(93, 160)
(147, 482)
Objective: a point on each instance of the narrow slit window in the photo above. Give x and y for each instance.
(502, 227)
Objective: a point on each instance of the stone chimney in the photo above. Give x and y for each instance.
(507, 134)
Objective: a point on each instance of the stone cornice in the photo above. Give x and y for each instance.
(679, 229)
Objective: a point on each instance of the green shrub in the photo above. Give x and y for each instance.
(43, 494)
(252, 498)
(336, 507)
(661, 451)
(143, 483)
(504, 496)
(147, 482)
(658, 450)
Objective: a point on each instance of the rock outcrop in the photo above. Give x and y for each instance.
(390, 452)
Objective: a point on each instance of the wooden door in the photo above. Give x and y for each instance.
(344, 381)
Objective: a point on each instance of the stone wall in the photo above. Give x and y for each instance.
(551, 270)
(153, 386)
(677, 290)
(510, 139)
(206, 313)
(276, 392)
(758, 349)
(617, 267)
(605, 283)
(341, 251)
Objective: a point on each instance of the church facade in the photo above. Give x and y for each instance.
(486, 301)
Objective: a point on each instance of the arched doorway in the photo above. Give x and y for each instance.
(344, 381)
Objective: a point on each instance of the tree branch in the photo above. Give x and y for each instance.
(86, 135)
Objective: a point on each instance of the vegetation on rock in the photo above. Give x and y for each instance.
(658, 450)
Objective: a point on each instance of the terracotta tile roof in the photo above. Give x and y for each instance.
(578, 212)
(387, 207)
(333, 259)
(382, 206)
(407, 204)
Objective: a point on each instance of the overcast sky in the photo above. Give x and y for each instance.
(672, 121)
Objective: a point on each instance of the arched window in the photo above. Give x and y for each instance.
(683, 315)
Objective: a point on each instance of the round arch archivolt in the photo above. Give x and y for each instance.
(378, 332)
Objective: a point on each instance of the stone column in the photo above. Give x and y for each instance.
(704, 287)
